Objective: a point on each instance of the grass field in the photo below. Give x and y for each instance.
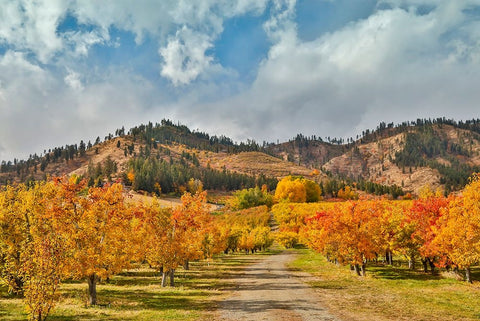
(137, 295)
(390, 293)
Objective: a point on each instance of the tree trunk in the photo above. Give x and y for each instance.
(164, 278)
(411, 262)
(424, 263)
(357, 269)
(468, 277)
(390, 257)
(363, 269)
(92, 289)
(432, 265)
(172, 274)
(18, 289)
(186, 265)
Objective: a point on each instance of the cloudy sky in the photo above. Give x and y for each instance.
(261, 69)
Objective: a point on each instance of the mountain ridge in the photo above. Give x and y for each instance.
(441, 153)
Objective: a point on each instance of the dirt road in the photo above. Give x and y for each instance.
(267, 290)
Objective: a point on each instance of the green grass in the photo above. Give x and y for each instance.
(137, 294)
(390, 293)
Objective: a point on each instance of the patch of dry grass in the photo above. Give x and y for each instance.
(255, 163)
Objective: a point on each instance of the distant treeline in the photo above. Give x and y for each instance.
(384, 130)
(158, 175)
(333, 186)
(167, 132)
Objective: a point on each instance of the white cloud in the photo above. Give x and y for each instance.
(184, 27)
(40, 111)
(395, 65)
(31, 26)
(81, 42)
(184, 56)
(2, 95)
(72, 79)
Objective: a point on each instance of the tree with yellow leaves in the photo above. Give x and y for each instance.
(96, 227)
(193, 225)
(158, 236)
(176, 237)
(43, 266)
(13, 236)
(458, 236)
(297, 190)
(32, 252)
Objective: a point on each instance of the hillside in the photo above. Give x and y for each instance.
(441, 153)
(308, 152)
(183, 154)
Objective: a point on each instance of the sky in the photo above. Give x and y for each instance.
(73, 70)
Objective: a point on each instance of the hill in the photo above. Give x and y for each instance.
(165, 153)
(442, 153)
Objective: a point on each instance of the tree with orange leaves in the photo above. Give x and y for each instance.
(458, 233)
(32, 252)
(350, 233)
(44, 254)
(193, 225)
(158, 236)
(14, 235)
(423, 219)
(96, 226)
(176, 237)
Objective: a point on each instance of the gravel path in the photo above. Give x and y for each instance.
(269, 291)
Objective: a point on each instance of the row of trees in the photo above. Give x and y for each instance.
(337, 187)
(62, 229)
(245, 230)
(58, 230)
(440, 231)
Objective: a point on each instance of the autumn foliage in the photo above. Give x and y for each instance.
(63, 229)
(439, 231)
(297, 190)
(245, 230)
